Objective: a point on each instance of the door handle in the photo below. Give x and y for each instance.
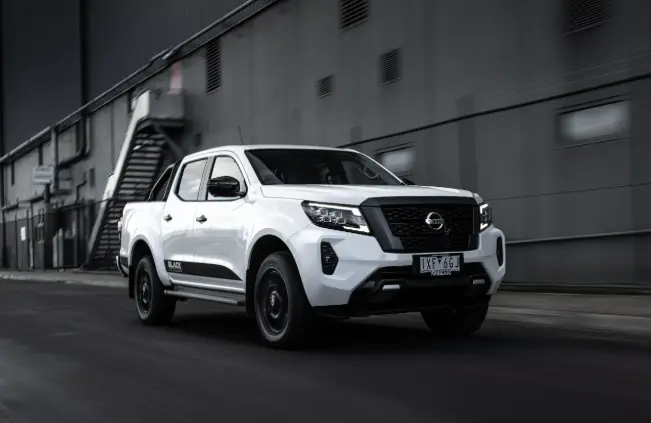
(167, 217)
(201, 219)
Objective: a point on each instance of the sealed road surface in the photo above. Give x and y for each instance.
(78, 354)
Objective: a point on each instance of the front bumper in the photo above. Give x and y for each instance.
(368, 280)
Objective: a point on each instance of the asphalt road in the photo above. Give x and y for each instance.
(77, 354)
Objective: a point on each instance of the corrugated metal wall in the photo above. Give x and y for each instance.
(125, 34)
(40, 56)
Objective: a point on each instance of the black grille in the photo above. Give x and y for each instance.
(390, 66)
(213, 65)
(352, 12)
(585, 14)
(408, 224)
(324, 86)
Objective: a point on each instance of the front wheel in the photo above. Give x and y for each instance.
(282, 311)
(461, 321)
(153, 306)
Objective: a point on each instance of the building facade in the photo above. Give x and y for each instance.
(538, 106)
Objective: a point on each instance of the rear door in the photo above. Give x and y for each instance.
(177, 223)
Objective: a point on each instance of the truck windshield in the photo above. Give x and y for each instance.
(306, 166)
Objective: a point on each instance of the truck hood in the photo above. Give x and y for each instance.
(354, 195)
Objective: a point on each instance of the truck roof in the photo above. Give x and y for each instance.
(235, 148)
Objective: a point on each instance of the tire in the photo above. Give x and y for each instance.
(153, 306)
(282, 311)
(462, 321)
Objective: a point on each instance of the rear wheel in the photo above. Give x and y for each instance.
(282, 311)
(461, 321)
(153, 306)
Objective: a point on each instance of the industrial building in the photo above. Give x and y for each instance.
(540, 106)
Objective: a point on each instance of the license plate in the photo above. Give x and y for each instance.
(439, 265)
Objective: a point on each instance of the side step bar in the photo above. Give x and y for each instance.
(223, 298)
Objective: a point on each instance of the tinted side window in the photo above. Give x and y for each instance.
(160, 194)
(188, 188)
(226, 166)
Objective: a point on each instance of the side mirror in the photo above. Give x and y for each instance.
(408, 181)
(224, 186)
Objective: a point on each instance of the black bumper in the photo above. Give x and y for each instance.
(398, 290)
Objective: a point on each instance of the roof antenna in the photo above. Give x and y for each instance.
(240, 131)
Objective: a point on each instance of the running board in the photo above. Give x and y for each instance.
(223, 298)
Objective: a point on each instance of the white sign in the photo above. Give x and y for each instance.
(43, 175)
(23, 233)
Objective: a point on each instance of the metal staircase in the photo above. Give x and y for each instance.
(147, 147)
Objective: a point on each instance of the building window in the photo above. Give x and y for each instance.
(352, 12)
(213, 65)
(13, 174)
(91, 177)
(390, 66)
(399, 161)
(585, 14)
(40, 155)
(605, 122)
(325, 86)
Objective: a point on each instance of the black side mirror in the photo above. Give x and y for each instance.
(224, 186)
(408, 181)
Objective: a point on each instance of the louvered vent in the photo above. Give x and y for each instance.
(390, 66)
(585, 14)
(325, 86)
(352, 12)
(213, 65)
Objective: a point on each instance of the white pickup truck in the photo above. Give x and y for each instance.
(291, 233)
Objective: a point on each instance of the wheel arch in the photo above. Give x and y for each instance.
(262, 247)
(140, 249)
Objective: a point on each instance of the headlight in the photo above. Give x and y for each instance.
(485, 216)
(331, 216)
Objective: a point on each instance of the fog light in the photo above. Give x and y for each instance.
(500, 251)
(329, 258)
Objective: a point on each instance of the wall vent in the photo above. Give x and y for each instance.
(352, 12)
(213, 65)
(390, 66)
(325, 86)
(585, 14)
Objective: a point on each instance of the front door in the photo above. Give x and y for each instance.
(178, 222)
(218, 232)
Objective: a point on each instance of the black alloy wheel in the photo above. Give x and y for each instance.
(143, 293)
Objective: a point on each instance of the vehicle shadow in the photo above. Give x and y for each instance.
(402, 333)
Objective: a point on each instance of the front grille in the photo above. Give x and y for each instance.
(408, 224)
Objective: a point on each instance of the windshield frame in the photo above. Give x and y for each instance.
(250, 156)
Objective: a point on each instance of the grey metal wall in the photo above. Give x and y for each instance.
(125, 34)
(41, 65)
(483, 87)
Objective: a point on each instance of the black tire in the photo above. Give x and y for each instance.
(153, 306)
(282, 311)
(462, 321)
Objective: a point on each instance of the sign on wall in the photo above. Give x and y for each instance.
(43, 175)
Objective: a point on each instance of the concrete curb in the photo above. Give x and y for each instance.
(551, 288)
(635, 325)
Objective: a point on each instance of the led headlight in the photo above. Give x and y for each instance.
(332, 216)
(485, 216)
